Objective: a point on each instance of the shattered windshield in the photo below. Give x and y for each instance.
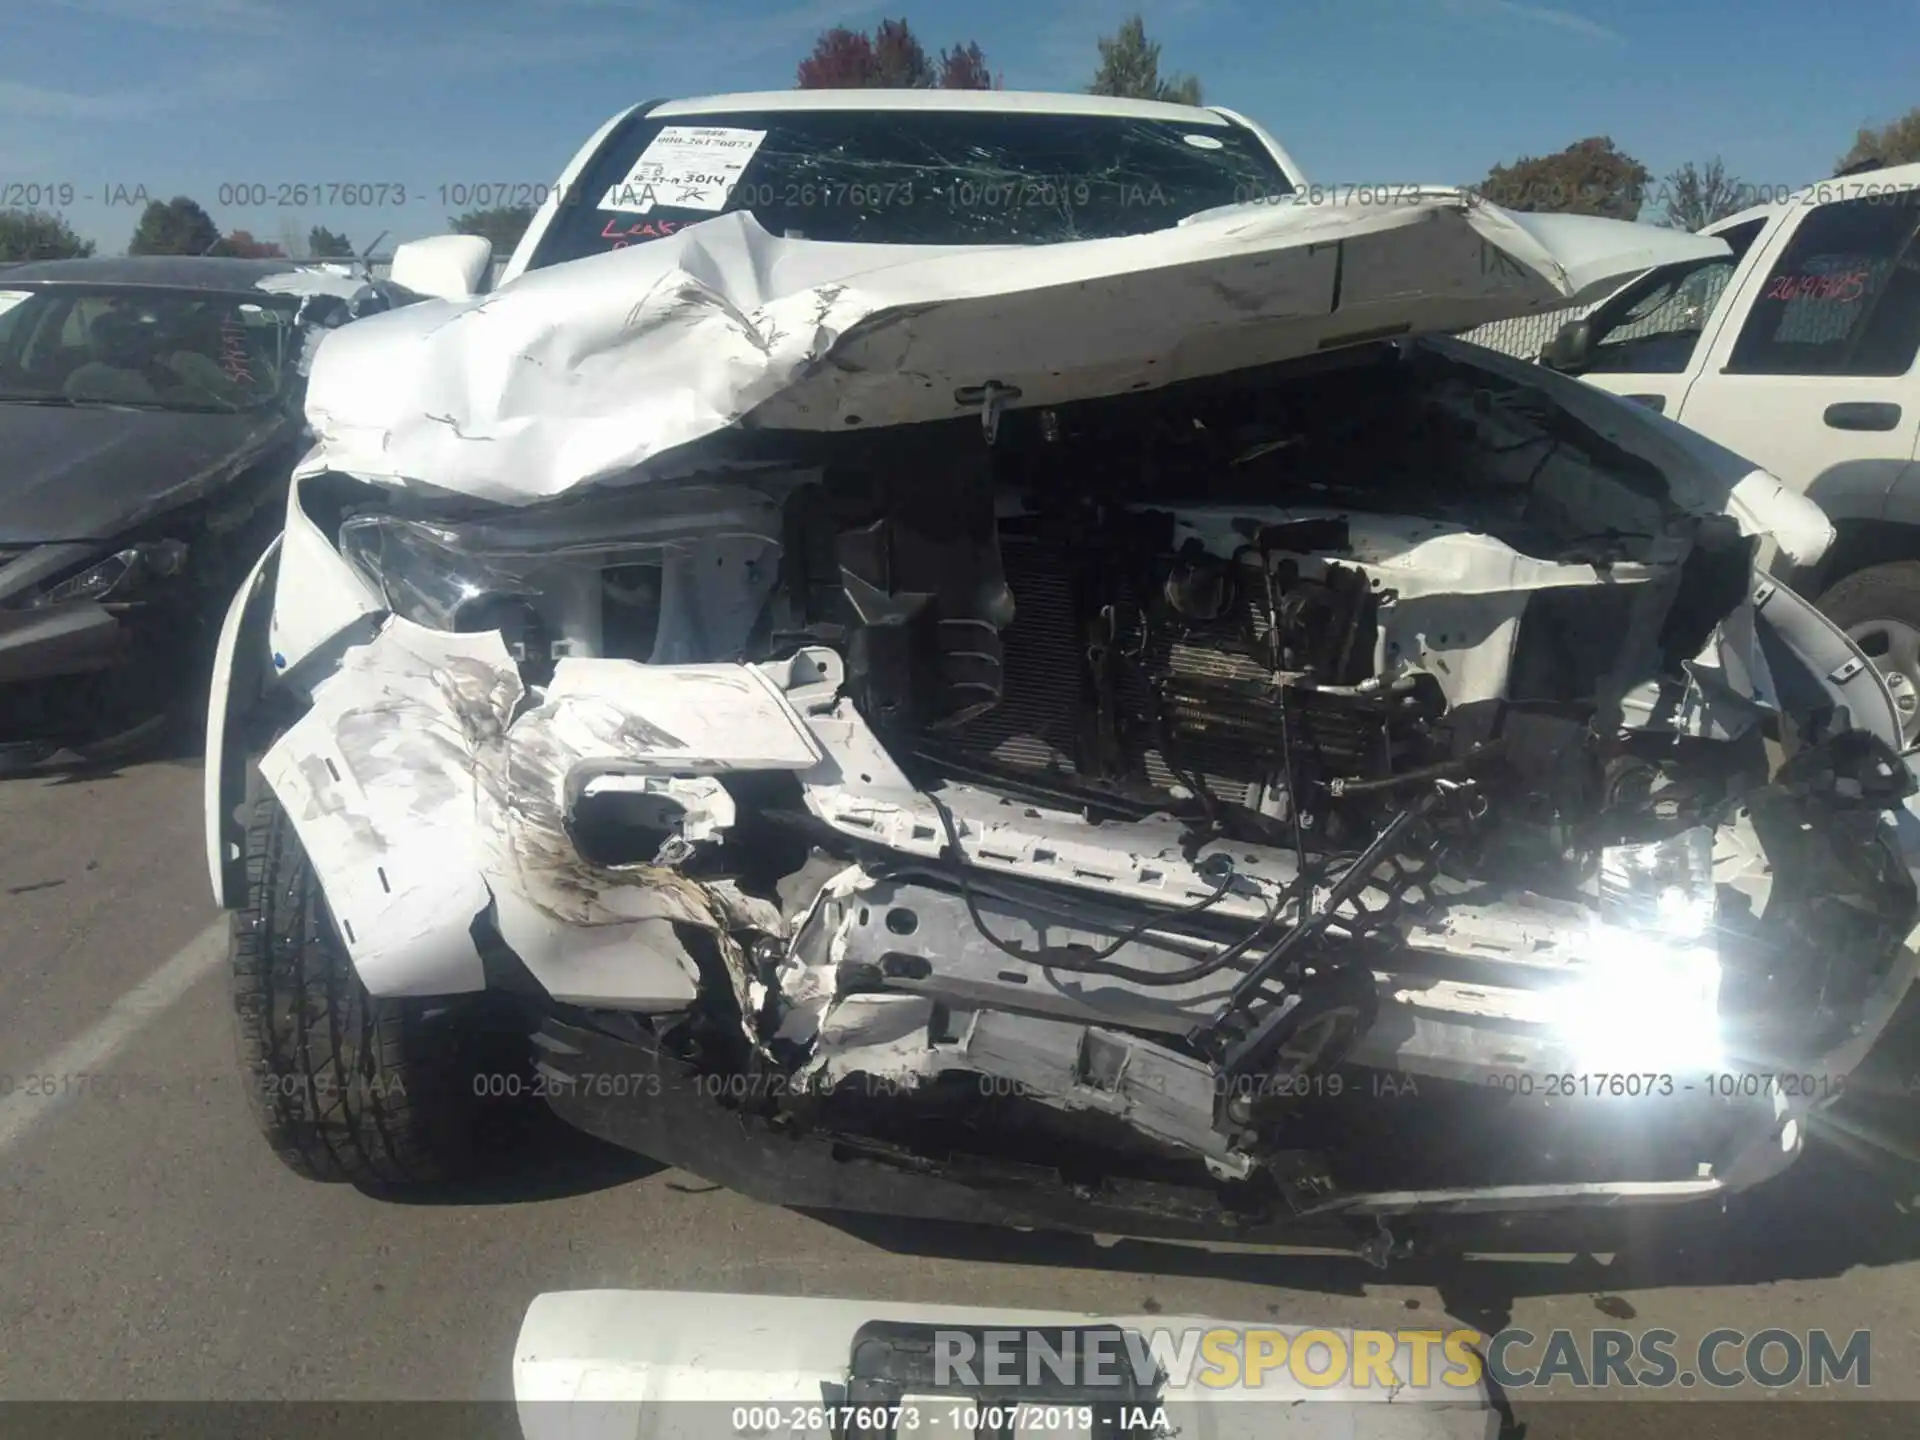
(145, 348)
(910, 177)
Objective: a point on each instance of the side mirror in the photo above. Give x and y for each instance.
(447, 267)
(1571, 348)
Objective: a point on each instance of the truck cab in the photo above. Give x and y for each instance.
(1797, 350)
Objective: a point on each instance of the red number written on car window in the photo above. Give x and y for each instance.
(635, 230)
(1841, 288)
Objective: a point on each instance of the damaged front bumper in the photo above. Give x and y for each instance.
(448, 814)
(610, 1076)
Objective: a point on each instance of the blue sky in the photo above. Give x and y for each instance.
(188, 96)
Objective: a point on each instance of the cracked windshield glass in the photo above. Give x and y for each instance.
(913, 178)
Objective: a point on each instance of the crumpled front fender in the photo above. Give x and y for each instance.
(379, 779)
(428, 795)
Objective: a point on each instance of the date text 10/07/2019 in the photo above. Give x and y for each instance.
(1814, 1086)
(966, 1417)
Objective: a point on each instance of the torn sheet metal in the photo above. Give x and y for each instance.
(689, 719)
(422, 797)
(895, 1039)
(604, 935)
(338, 281)
(588, 370)
(925, 942)
(1703, 477)
(1456, 596)
(378, 779)
(859, 790)
(1727, 691)
(363, 293)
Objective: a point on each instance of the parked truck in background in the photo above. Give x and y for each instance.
(1797, 350)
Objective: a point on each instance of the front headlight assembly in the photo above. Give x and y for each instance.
(676, 573)
(122, 576)
(1648, 996)
(424, 573)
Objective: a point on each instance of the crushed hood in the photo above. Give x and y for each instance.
(593, 370)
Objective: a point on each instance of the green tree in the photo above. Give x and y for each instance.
(1697, 195)
(892, 58)
(174, 227)
(325, 244)
(37, 235)
(1130, 66)
(1589, 177)
(503, 225)
(1895, 143)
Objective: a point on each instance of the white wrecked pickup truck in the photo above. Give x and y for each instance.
(982, 656)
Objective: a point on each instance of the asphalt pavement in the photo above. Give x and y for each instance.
(152, 1247)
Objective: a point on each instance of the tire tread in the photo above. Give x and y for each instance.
(345, 1086)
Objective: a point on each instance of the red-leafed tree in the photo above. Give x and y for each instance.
(965, 69)
(240, 243)
(842, 59)
(899, 61)
(892, 58)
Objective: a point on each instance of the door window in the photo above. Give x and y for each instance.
(1653, 327)
(1844, 296)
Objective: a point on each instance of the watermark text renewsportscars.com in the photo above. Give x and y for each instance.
(1247, 1358)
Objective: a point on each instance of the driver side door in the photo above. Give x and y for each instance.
(1649, 340)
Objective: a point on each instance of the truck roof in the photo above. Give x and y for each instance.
(1839, 187)
(1042, 102)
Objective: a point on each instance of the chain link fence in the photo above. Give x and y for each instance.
(1525, 336)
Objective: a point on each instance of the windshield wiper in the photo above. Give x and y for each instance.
(89, 402)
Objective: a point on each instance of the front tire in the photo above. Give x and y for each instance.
(1879, 608)
(345, 1085)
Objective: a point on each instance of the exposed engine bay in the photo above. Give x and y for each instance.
(1088, 790)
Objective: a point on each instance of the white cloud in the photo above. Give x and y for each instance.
(1560, 19)
(1549, 15)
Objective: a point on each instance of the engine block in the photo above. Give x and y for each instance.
(1141, 679)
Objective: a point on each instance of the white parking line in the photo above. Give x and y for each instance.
(20, 1111)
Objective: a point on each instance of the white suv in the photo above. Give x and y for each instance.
(926, 655)
(1797, 351)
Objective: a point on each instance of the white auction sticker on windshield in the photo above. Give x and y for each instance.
(686, 167)
(11, 298)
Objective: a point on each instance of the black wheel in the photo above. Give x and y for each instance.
(346, 1087)
(1879, 608)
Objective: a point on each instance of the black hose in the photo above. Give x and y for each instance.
(1426, 774)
